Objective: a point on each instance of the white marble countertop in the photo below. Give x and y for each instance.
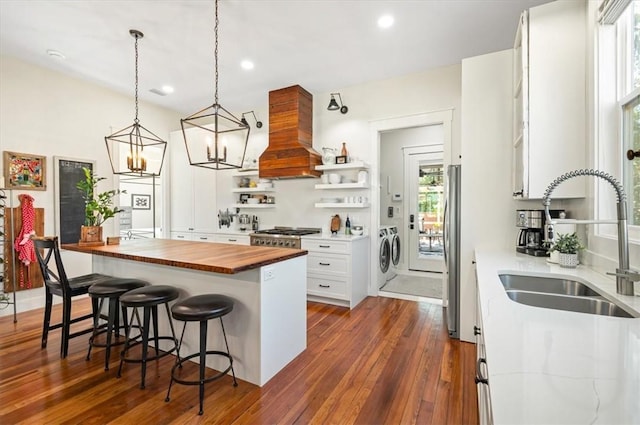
(556, 367)
(336, 237)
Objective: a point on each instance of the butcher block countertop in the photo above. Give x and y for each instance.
(204, 256)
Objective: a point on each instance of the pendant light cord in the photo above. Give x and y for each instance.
(215, 54)
(136, 49)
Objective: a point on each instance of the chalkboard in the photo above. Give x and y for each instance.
(69, 203)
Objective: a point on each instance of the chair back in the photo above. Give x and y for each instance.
(46, 249)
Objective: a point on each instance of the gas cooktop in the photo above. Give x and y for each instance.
(288, 231)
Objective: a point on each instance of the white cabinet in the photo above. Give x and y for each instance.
(350, 181)
(482, 372)
(337, 270)
(193, 195)
(231, 238)
(549, 103)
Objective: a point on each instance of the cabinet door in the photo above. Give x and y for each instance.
(181, 200)
(557, 97)
(205, 214)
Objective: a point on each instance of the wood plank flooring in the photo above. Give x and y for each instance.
(387, 361)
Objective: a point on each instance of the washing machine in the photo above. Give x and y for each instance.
(384, 255)
(394, 242)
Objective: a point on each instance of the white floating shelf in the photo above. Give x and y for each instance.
(251, 190)
(253, 206)
(341, 205)
(343, 186)
(347, 166)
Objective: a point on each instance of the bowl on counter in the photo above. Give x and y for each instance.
(335, 178)
(356, 232)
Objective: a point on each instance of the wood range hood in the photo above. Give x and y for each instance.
(290, 153)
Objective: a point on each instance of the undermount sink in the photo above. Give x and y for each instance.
(549, 285)
(559, 294)
(568, 303)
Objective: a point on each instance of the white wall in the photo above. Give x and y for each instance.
(47, 113)
(432, 90)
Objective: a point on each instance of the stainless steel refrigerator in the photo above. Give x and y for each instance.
(451, 238)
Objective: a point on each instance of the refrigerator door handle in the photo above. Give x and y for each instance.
(445, 232)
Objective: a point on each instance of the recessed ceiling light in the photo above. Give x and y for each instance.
(246, 64)
(56, 54)
(385, 21)
(167, 89)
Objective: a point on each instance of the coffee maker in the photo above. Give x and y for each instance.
(531, 237)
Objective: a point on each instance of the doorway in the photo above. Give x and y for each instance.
(391, 202)
(424, 185)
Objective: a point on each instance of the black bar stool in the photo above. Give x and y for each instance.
(111, 290)
(202, 308)
(57, 283)
(149, 298)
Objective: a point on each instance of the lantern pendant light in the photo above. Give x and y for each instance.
(134, 150)
(214, 137)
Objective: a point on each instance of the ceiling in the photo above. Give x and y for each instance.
(323, 45)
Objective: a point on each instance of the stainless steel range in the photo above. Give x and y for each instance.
(281, 237)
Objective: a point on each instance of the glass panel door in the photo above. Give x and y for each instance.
(426, 205)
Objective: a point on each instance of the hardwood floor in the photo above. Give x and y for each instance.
(387, 361)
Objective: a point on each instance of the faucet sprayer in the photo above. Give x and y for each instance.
(624, 276)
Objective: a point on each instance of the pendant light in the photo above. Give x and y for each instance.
(134, 150)
(214, 137)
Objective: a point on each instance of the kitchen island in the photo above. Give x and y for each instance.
(267, 327)
(548, 366)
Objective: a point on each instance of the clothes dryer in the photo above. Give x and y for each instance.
(394, 242)
(384, 256)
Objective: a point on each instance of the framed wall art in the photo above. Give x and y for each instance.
(24, 171)
(140, 202)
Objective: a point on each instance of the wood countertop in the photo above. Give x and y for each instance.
(204, 256)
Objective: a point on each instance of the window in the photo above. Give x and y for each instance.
(618, 41)
(628, 34)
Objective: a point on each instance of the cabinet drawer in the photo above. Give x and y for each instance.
(232, 239)
(203, 237)
(182, 236)
(334, 247)
(327, 263)
(326, 287)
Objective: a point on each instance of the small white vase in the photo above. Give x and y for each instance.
(568, 260)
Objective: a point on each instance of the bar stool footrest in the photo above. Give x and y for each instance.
(204, 381)
(159, 353)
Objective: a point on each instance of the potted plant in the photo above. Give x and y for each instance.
(98, 207)
(567, 245)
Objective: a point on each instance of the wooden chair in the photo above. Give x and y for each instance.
(58, 284)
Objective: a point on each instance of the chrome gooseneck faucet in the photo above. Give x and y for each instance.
(624, 275)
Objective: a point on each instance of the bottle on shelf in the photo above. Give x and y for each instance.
(347, 226)
(344, 149)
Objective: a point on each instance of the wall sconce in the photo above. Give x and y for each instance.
(333, 104)
(244, 120)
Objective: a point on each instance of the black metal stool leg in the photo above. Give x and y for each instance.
(203, 361)
(226, 344)
(97, 306)
(178, 363)
(145, 345)
(127, 342)
(113, 312)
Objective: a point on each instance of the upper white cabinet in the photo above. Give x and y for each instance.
(193, 195)
(549, 104)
